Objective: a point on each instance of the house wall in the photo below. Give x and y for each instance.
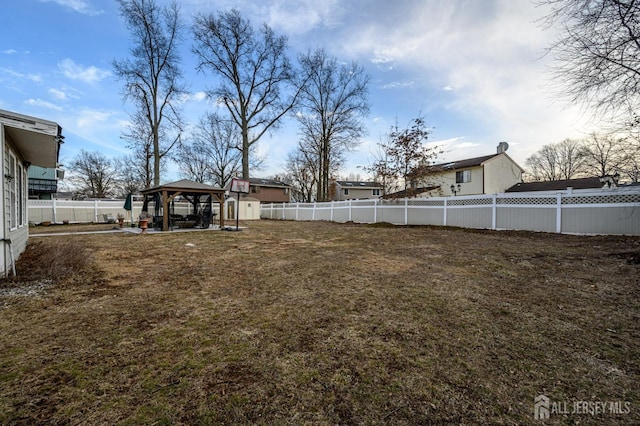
(355, 193)
(446, 179)
(17, 232)
(500, 173)
(270, 194)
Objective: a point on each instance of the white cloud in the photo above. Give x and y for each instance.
(36, 78)
(58, 94)
(89, 118)
(398, 84)
(9, 51)
(195, 97)
(42, 104)
(199, 96)
(81, 6)
(90, 74)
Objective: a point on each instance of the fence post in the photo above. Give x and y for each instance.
(350, 208)
(558, 213)
(331, 211)
(53, 212)
(284, 206)
(313, 213)
(271, 213)
(375, 210)
(95, 211)
(406, 210)
(494, 209)
(444, 219)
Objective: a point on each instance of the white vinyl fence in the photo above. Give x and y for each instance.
(613, 211)
(79, 211)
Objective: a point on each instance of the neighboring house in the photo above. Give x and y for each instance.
(43, 182)
(26, 141)
(559, 185)
(489, 174)
(355, 190)
(269, 190)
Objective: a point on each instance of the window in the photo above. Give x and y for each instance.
(12, 192)
(254, 189)
(346, 191)
(463, 176)
(21, 204)
(376, 192)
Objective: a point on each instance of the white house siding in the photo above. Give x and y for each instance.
(446, 179)
(17, 232)
(356, 193)
(500, 173)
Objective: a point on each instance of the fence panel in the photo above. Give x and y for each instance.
(79, 211)
(612, 211)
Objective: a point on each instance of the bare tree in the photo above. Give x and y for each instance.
(598, 53)
(404, 156)
(302, 175)
(606, 154)
(563, 160)
(214, 155)
(333, 102)
(152, 75)
(130, 175)
(93, 175)
(140, 141)
(255, 73)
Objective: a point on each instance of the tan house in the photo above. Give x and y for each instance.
(489, 174)
(355, 190)
(25, 141)
(269, 190)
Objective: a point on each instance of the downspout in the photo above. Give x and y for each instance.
(13, 260)
(3, 228)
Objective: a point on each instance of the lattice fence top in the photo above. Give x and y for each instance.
(469, 201)
(426, 202)
(533, 201)
(602, 199)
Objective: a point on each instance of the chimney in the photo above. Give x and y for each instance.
(502, 147)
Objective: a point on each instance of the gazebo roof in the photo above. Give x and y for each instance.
(184, 185)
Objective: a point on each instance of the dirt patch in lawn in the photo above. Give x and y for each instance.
(290, 322)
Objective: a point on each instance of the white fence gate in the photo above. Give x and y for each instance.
(612, 211)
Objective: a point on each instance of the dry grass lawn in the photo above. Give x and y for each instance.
(319, 323)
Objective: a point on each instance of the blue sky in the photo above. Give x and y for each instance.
(474, 68)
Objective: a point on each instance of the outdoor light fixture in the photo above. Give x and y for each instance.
(8, 177)
(455, 189)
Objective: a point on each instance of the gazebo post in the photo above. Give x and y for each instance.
(165, 210)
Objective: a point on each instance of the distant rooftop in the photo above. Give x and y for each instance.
(268, 182)
(557, 185)
(358, 184)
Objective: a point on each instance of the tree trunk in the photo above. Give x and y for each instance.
(245, 151)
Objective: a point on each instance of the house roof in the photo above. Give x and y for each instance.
(268, 182)
(463, 164)
(358, 184)
(557, 185)
(412, 192)
(37, 140)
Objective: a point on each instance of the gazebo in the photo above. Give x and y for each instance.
(200, 195)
